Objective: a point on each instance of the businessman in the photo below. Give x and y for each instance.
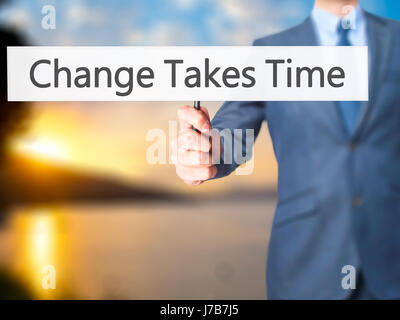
(339, 167)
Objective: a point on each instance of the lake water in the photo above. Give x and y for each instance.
(141, 251)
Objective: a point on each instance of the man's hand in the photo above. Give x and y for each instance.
(192, 150)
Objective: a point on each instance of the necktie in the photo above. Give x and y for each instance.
(348, 109)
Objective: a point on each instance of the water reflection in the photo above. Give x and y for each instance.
(39, 246)
(141, 251)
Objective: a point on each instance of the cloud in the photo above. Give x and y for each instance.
(185, 4)
(80, 14)
(133, 37)
(165, 33)
(237, 22)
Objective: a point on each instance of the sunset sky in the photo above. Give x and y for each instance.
(110, 138)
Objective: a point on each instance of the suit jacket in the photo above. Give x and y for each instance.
(338, 196)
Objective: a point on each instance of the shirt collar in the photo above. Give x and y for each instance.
(328, 22)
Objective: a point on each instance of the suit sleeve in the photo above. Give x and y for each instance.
(235, 121)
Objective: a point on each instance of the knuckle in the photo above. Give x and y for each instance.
(208, 173)
(181, 140)
(205, 144)
(199, 119)
(181, 111)
(205, 158)
(188, 138)
(197, 158)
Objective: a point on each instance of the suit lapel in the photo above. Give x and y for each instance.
(307, 35)
(379, 40)
(327, 111)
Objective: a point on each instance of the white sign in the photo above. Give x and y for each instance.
(187, 73)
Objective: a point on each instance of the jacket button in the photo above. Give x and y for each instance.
(356, 201)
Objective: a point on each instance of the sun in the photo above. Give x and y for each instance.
(44, 148)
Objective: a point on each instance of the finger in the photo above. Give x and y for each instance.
(193, 140)
(193, 183)
(196, 174)
(205, 111)
(194, 158)
(190, 117)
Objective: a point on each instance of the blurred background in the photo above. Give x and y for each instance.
(77, 192)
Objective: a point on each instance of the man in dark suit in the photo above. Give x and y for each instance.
(339, 167)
